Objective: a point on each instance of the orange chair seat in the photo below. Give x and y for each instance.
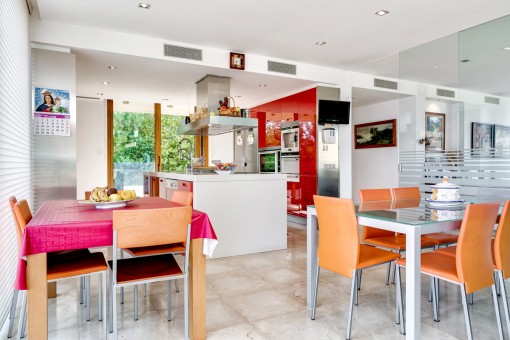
(394, 242)
(439, 265)
(59, 268)
(441, 238)
(370, 256)
(141, 268)
(154, 250)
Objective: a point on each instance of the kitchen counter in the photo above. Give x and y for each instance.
(248, 211)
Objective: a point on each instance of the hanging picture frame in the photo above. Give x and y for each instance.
(375, 135)
(434, 131)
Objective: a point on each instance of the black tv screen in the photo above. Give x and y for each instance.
(334, 112)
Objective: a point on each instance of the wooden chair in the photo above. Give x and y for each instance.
(439, 239)
(471, 268)
(62, 266)
(384, 238)
(339, 249)
(147, 228)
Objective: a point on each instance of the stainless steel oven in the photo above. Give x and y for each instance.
(290, 166)
(269, 160)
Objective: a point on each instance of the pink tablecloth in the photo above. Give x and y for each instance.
(66, 225)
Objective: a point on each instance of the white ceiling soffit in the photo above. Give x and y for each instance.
(363, 97)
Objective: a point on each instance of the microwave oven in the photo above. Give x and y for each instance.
(269, 162)
(290, 137)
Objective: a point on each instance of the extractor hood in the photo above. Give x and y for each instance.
(216, 125)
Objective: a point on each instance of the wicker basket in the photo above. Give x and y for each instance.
(230, 111)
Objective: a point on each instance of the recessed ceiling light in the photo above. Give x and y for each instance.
(125, 102)
(105, 83)
(165, 99)
(169, 106)
(238, 96)
(99, 94)
(436, 67)
(381, 12)
(111, 67)
(320, 43)
(262, 85)
(465, 61)
(144, 5)
(507, 48)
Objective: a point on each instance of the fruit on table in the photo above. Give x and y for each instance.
(128, 194)
(115, 197)
(103, 194)
(111, 191)
(226, 166)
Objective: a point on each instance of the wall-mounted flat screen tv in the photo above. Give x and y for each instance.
(334, 112)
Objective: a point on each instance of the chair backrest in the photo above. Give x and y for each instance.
(502, 242)
(19, 232)
(151, 227)
(338, 248)
(474, 259)
(405, 193)
(368, 195)
(182, 197)
(23, 214)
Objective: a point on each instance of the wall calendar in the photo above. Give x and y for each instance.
(51, 114)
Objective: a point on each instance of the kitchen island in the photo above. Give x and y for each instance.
(248, 211)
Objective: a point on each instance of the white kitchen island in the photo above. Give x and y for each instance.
(248, 211)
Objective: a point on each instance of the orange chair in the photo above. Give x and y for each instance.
(144, 228)
(472, 268)
(182, 197)
(384, 238)
(64, 267)
(339, 249)
(439, 239)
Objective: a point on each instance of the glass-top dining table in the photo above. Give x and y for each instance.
(412, 217)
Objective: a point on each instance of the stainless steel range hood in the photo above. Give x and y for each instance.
(216, 125)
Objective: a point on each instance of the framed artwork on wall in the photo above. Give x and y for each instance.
(482, 136)
(434, 131)
(375, 135)
(501, 137)
(236, 61)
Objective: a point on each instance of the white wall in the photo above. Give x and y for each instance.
(221, 148)
(91, 145)
(374, 167)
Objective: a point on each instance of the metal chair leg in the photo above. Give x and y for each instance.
(435, 298)
(82, 287)
(360, 273)
(12, 314)
(394, 267)
(496, 282)
(114, 312)
(110, 306)
(471, 298)
(122, 288)
(401, 301)
(501, 279)
(87, 297)
(466, 312)
(388, 272)
(354, 291)
(169, 297)
(496, 309)
(397, 302)
(430, 290)
(177, 286)
(103, 300)
(22, 317)
(314, 303)
(144, 290)
(135, 289)
(100, 296)
(186, 302)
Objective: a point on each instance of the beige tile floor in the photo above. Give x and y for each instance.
(263, 296)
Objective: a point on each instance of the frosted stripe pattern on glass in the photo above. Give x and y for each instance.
(15, 133)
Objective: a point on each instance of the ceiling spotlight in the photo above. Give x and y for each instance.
(320, 43)
(262, 85)
(165, 99)
(125, 102)
(238, 96)
(111, 67)
(436, 67)
(105, 83)
(99, 94)
(381, 12)
(506, 48)
(169, 106)
(144, 5)
(465, 61)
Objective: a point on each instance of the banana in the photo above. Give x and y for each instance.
(103, 195)
(94, 195)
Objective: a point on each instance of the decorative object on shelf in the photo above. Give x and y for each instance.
(376, 135)
(237, 61)
(434, 131)
(226, 110)
(482, 136)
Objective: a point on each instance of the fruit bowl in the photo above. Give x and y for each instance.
(107, 205)
(225, 168)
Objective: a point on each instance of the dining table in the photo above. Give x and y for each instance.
(71, 224)
(412, 217)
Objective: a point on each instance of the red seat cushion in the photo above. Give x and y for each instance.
(63, 267)
(143, 268)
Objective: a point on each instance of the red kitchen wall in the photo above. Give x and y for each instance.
(297, 107)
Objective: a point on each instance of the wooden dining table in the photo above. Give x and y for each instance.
(66, 225)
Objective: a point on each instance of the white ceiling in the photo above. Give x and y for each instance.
(357, 39)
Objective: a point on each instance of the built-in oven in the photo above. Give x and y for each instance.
(290, 166)
(269, 160)
(290, 137)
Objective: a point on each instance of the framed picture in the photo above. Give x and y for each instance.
(434, 131)
(501, 137)
(375, 135)
(236, 61)
(482, 136)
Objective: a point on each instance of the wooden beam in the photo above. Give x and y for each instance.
(109, 141)
(157, 136)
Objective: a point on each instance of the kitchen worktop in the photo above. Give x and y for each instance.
(214, 177)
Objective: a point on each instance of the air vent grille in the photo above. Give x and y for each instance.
(492, 100)
(274, 66)
(385, 84)
(182, 52)
(445, 93)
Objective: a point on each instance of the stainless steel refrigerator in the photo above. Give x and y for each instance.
(245, 150)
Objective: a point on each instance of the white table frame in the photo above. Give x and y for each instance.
(413, 250)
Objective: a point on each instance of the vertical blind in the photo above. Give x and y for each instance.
(15, 133)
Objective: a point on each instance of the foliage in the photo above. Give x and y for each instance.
(378, 137)
(170, 144)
